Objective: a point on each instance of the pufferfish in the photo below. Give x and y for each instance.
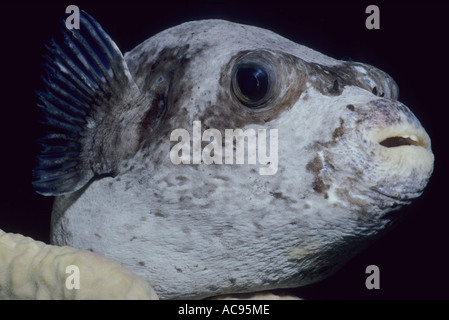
(219, 158)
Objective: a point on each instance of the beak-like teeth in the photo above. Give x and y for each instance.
(413, 137)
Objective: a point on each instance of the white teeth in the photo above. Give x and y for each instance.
(411, 137)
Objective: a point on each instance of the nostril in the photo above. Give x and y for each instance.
(398, 141)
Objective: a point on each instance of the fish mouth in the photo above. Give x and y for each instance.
(397, 137)
(405, 161)
(405, 140)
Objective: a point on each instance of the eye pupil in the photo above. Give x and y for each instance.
(251, 84)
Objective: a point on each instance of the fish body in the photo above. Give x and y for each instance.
(141, 156)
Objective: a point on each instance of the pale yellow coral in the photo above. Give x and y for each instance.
(33, 270)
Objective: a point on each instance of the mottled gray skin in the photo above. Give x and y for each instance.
(195, 231)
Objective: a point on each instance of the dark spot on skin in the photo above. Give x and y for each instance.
(339, 131)
(184, 198)
(160, 214)
(277, 195)
(141, 263)
(133, 238)
(181, 179)
(335, 89)
(315, 165)
(152, 117)
(280, 196)
(97, 235)
(306, 206)
(318, 185)
(350, 107)
(224, 178)
(258, 226)
(178, 269)
(232, 281)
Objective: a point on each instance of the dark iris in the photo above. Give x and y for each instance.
(251, 84)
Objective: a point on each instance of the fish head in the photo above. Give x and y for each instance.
(344, 141)
(230, 159)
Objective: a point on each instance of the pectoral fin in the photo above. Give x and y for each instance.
(90, 106)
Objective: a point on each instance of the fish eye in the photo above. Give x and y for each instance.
(252, 84)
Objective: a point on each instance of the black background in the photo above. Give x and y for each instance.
(411, 46)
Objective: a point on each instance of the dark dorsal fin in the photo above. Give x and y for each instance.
(89, 102)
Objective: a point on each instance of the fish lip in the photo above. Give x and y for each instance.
(392, 137)
(403, 140)
(391, 124)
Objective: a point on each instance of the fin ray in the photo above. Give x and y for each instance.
(87, 93)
